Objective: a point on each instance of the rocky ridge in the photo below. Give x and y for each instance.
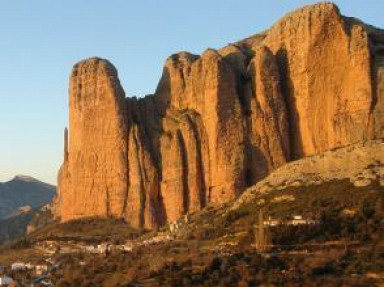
(220, 122)
(361, 164)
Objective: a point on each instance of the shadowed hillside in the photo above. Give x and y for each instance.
(23, 191)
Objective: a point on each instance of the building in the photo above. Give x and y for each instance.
(296, 220)
(19, 266)
(299, 220)
(41, 269)
(272, 222)
(128, 246)
(102, 248)
(29, 266)
(90, 249)
(5, 280)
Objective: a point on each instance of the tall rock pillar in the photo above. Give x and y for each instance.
(65, 144)
(96, 169)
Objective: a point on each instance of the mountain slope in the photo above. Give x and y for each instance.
(21, 200)
(340, 192)
(23, 191)
(341, 183)
(15, 227)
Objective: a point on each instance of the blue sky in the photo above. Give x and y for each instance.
(40, 40)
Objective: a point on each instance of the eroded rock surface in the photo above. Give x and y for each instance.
(362, 164)
(93, 181)
(220, 122)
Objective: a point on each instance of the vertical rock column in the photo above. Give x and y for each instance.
(268, 146)
(65, 144)
(222, 116)
(96, 179)
(205, 86)
(143, 202)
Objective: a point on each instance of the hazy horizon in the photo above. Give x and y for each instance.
(41, 41)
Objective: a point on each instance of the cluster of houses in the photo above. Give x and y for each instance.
(129, 246)
(38, 273)
(162, 238)
(295, 220)
(68, 247)
(39, 268)
(5, 280)
(51, 247)
(42, 268)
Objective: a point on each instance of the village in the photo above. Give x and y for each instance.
(35, 274)
(38, 273)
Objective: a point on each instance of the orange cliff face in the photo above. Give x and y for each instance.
(222, 121)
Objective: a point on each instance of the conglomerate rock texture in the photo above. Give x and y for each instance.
(220, 122)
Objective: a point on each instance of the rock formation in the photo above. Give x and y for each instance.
(222, 121)
(361, 163)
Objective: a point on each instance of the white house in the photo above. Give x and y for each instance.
(5, 280)
(90, 249)
(271, 222)
(29, 266)
(82, 263)
(299, 220)
(128, 246)
(172, 227)
(103, 248)
(41, 269)
(19, 266)
(296, 220)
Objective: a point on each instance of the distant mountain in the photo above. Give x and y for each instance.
(23, 192)
(15, 227)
